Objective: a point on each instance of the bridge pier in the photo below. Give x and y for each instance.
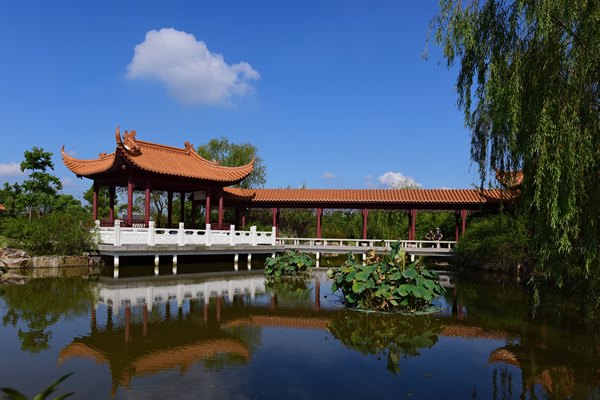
(156, 260)
(155, 270)
(174, 270)
(249, 261)
(116, 271)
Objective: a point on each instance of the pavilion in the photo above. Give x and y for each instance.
(136, 164)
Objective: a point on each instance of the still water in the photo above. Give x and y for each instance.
(235, 335)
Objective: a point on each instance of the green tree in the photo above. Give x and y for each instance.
(9, 195)
(528, 84)
(39, 191)
(235, 155)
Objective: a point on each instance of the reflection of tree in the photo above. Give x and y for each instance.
(290, 291)
(376, 334)
(43, 302)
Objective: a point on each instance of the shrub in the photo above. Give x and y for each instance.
(51, 234)
(498, 241)
(290, 263)
(385, 286)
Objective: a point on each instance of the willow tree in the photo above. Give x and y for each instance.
(528, 85)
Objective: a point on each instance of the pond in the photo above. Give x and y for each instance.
(236, 335)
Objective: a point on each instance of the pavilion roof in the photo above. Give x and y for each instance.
(2, 208)
(510, 179)
(160, 159)
(368, 196)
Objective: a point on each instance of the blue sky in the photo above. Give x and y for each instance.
(333, 93)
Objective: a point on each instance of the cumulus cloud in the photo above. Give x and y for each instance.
(69, 182)
(191, 73)
(72, 153)
(11, 169)
(329, 175)
(395, 180)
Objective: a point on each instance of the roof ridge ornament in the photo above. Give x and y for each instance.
(189, 148)
(130, 143)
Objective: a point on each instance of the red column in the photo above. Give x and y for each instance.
(456, 216)
(207, 206)
(182, 215)
(463, 214)
(111, 213)
(147, 210)
(277, 222)
(317, 295)
(127, 319)
(365, 215)
(129, 199)
(169, 209)
(243, 217)
(220, 207)
(319, 215)
(413, 221)
(194, 204)
(95, 201)
(146, 318)
(410, 225)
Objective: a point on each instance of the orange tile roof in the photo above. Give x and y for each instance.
(159, 159)
(2, 208)
(374, 196)
(510, 179)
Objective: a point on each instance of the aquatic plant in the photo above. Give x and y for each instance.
(15, 395)
(393, 336)
(385, 285)
(290, 263)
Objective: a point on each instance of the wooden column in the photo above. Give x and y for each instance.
(129, 199)
(277, 210)
(244, 217)
(365, 215)
(182, 211)
(194, 204)
(220, 207)
(169, 209)
(410, 225)
(207, 206)
(319, 217)
(95, 201)
(111, 213)
(456, 216)
(147, 210)
(463, 215)
(413, 220)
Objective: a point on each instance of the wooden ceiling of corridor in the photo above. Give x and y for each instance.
(159, 159)
(426, 198)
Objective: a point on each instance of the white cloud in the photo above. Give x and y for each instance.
(191, 73)
(72, 153)
(329, 175)
(11, 169)
(69, 182)
(396, 180)
(370, 185)
(369, 177)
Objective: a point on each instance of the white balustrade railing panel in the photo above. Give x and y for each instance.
(195, 236)
(134, 236)
(220, 237)
(166, 236)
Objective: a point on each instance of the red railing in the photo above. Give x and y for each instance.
(220, 227)
(135, 223)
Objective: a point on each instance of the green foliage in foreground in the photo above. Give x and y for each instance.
(14, 395)
(497, 241)
(51, 234)
(290, 263)
(378, 334)
(386, 286)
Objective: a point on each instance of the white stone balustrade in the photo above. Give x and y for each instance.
(152, 236)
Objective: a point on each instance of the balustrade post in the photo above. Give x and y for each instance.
(97, 230)
(117, 241)
(151, 233)
(232, 235)
(181, 235)
(208, 235)
(253, 235)
(274, 236)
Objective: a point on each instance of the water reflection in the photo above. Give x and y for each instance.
(168, 330)
(393, 336)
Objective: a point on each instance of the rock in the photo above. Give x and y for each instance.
(75, 260)
(15, 258)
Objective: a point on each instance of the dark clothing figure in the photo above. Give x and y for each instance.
(430, 236)
(438, 236)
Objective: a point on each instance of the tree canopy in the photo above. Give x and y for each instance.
(528, 85)
(231, 154)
